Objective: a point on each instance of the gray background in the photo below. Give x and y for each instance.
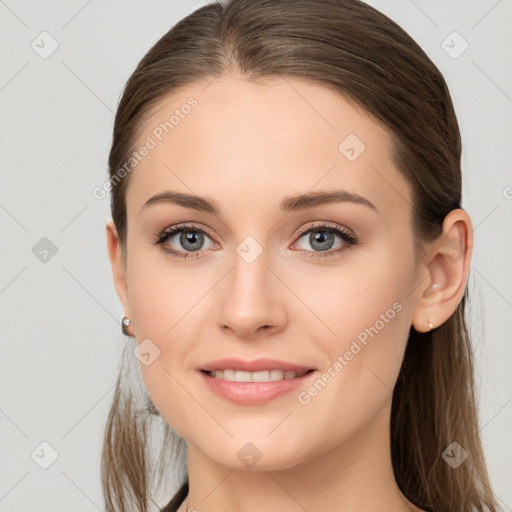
(60, 337)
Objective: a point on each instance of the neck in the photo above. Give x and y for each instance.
(353, 476)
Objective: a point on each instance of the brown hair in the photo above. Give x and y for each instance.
(355, 50)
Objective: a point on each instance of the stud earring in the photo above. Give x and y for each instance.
(430, 324)
(125, 323)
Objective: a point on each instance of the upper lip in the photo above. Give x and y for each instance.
(252, 366)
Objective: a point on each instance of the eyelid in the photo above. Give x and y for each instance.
(182, 226)
(324, 224)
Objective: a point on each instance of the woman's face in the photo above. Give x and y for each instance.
(263, 277)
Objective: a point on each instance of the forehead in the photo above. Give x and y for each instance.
(233, 138)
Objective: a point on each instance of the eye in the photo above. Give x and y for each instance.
(322, 237)
(189, 237)
(187, 241)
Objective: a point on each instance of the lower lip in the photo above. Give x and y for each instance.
(254, 393)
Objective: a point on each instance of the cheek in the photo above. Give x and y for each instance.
(157, 295)
(365, 322)
(366, 295)
(162, 300)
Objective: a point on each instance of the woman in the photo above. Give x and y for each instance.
(291, 254)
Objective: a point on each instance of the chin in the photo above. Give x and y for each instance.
(255, 456)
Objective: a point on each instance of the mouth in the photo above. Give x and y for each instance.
(254, 382)
(243, 387)
(274, 375)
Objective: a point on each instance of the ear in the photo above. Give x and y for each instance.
(448, 263)
(118, 266)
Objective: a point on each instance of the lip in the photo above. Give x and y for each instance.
(257, 365)
(253, 393)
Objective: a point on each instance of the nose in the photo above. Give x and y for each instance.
(251, 300)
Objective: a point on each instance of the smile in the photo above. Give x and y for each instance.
(231, 375)
(254, 388)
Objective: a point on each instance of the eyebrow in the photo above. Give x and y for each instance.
(288, 204)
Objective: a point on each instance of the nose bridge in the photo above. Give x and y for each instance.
(250, 297)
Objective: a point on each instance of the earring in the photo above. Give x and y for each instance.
(125, 323)
(430, 324)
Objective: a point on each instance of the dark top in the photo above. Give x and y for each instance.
(182, 493)
(177, 499)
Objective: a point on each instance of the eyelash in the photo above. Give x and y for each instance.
(349, 238)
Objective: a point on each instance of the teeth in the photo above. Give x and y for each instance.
(261, 376)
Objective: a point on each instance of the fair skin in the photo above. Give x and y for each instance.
(247, 146)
